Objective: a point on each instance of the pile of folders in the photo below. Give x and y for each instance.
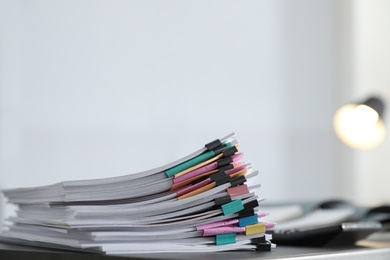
(203, 202)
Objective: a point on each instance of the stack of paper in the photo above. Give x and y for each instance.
(200, 203)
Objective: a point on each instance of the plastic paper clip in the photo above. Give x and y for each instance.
(261, 244)
(233, 207)
(258, 240)
(251, 204)
(263, 247)
(224, 161)
(220, 178)
(255, 229)
(214, 144)
(229, 151)
(222, 147)
(237, 190)
(222, 200)
(238, 181)
(246, 213)
(248, 221)
(224, 239)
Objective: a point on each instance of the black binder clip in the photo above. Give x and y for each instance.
(214, 144)
(238, 181)
(220, 178)
(222, 200)
(261, 244)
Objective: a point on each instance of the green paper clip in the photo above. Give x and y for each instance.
(232, 207)
(224, 239)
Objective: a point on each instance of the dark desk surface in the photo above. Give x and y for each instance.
(17, 252)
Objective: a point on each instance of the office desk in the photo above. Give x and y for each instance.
(16, 252)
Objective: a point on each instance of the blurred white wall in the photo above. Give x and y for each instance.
(92, 89)
(371, 75)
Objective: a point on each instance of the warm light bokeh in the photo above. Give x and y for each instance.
(359, 126)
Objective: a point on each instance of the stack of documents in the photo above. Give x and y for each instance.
(201, 203)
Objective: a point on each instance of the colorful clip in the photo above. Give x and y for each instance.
(248, 221)
(237, 190)
(224, 239)
(233, 207)
(255, 229)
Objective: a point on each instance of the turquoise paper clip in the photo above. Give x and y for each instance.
(242, 222)
(224, 239)
(232, 207)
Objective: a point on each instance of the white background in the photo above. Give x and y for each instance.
(92, 89)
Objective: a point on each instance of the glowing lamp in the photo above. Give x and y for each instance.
(360, 125)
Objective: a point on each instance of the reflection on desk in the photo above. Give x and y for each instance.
(8, 251)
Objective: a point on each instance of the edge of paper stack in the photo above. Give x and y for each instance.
(201, 203)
